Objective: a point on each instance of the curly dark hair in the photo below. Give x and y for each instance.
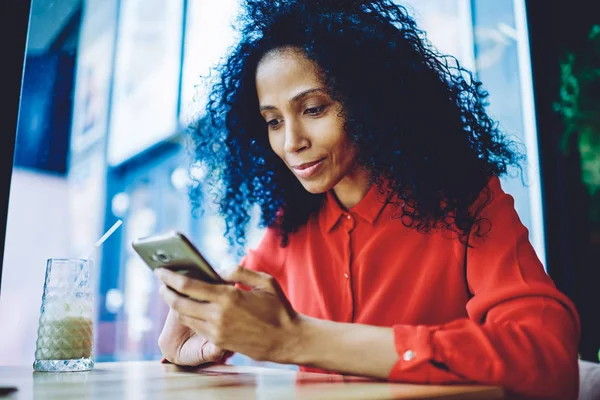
(418, 118)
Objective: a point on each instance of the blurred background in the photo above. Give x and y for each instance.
(111, 86)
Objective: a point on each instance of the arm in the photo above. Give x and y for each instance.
(353, 349)
(525, 346)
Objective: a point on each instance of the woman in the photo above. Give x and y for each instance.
(391, 250)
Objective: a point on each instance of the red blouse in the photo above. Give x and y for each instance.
(487, 313)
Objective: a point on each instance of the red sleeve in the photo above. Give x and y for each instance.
(268, 257)
(521, 334)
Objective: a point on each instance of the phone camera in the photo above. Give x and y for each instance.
(162, 256)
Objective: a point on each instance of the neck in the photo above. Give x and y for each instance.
(352, 188)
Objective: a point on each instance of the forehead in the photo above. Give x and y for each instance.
(286, 71)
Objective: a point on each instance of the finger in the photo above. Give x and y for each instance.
(190, 287)
(260, 281)
(187, 306)
(256, 280)
(211, 353)
(202, 328)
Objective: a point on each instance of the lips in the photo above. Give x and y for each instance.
(308, 169)
(306, 165)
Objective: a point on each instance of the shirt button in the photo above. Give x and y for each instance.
(349, 217)
(408, 355)
(346, 276)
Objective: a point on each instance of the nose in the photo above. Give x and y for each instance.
(295, 138)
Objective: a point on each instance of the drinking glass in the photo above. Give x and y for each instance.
(65, 333)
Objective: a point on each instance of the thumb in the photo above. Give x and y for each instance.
(260, 281)
(250, 278)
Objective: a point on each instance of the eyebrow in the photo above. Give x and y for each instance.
(296, 98)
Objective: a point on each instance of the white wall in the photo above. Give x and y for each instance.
(37, 228)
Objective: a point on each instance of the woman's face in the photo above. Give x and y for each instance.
(304, 126)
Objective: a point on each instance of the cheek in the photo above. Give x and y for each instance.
(328, 133)
(346, 156)
(276, 144)
(342, 146)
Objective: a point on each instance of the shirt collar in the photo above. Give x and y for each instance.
(368, 208)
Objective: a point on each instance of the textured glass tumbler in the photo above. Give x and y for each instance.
(65, 334)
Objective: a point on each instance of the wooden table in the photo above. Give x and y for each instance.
(152, 380)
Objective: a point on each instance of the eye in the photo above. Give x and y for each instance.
(315, 111)
(273, 124)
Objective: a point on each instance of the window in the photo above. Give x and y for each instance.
(109, 89)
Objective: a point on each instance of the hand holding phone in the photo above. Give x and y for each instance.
(174, 251)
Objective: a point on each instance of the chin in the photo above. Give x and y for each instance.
(316, 186)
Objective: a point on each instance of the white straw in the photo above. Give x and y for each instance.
(105, 236)
(108, 233)
(96, 245)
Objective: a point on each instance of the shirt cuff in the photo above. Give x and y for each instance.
(414, 347)
(418, 358)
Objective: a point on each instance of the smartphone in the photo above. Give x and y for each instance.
(174, 251)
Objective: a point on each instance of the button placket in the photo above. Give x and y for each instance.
(348, 224)
(349, 227)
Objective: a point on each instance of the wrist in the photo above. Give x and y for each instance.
(296, 342)
(303, 344)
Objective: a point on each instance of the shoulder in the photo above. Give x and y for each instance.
(492, 200)
(498, 226)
